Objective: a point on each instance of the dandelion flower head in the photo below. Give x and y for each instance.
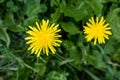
(97, 30)
(43, 37)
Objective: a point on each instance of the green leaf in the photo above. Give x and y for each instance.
(70, 28)
(11, 24)
(4, 36)
(109, 1)
(34, 10)
(54, 3)
(1, 1)
(95, 59)
(9, 18)
(1, 23)
(95, 5)
(34, 7)
(75, 55)
(78, 12)
(116, 54)
(117, 75)
(41, 68)
(109, 46)
(30, 21)
(55, 16)
(54, 75)
(11, 6)
(1, 78)
(94, 77)
(114, 20)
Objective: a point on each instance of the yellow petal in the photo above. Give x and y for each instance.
(101, 20)
(108, 32)
(52, 49)
(95, 41)
(96, 19)
(38, 54)
(38, 26)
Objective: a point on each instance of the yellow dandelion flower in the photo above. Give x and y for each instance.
(44, 37)
(97, 30)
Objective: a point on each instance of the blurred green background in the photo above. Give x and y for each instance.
(76, 59)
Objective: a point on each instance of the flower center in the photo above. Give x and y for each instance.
(45, 38)
(98, 30)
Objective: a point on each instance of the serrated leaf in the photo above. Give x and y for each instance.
(16, 28)
(78, 12)
(29, 21)
(54, 2)
(4, 36)
(41, 68)
(11, 24)
(34, 10)
(95, 5)
(75, 55)
(70, 28)
(95, 59)
(55, 16)
(109, 46)
(34, 7)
